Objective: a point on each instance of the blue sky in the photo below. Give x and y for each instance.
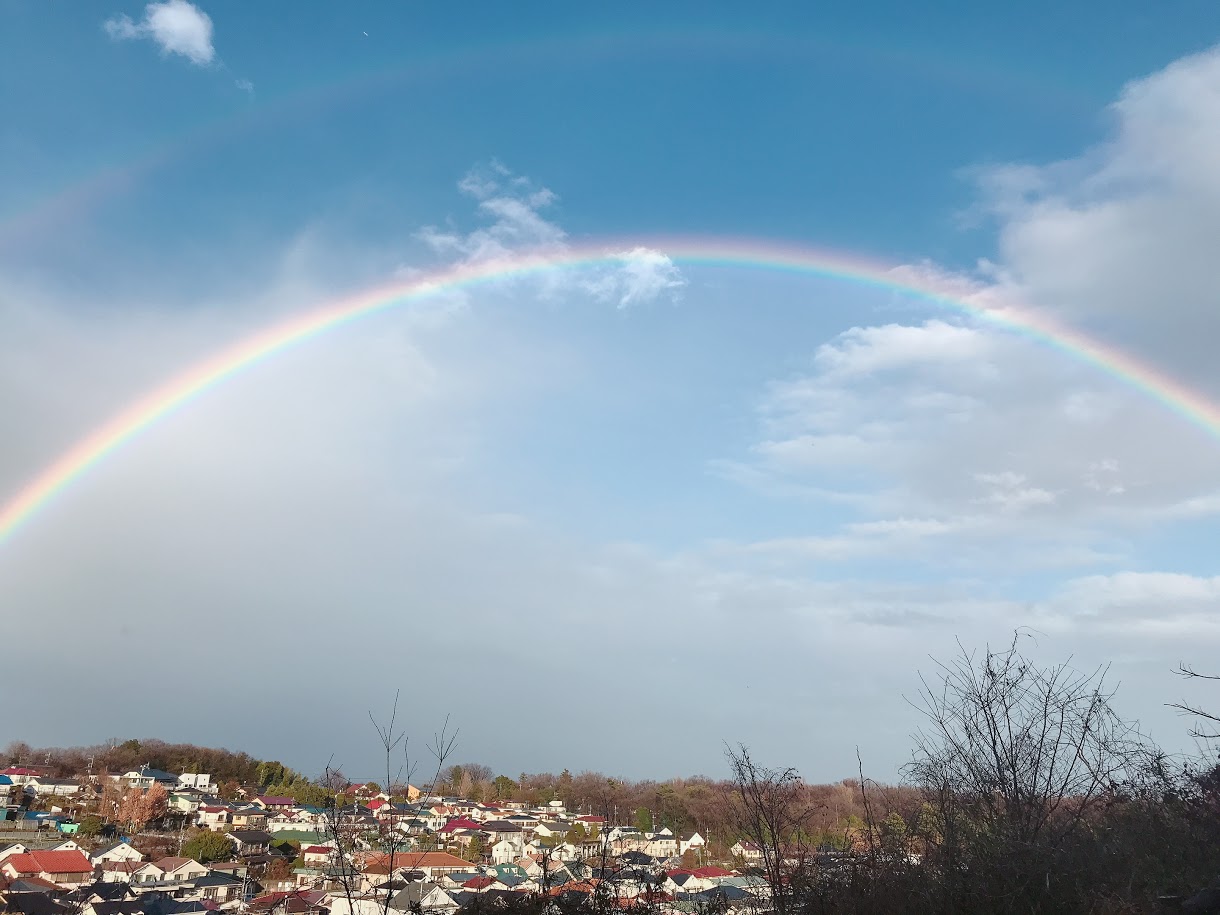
(700, 487)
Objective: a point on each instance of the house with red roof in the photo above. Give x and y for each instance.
(430, 863)
(63, 868)
(459, 823)
(318, 854)
(21, 775)
(293, 902)
(214, 817)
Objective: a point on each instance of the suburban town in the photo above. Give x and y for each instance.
(164, 843)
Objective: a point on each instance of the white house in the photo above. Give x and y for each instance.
(662, 846)
(181, 870)
(15, 849)
(58, 787)
(198, 780)
(505, 852)
(693, 841)
(214, 818)
(117, 851)
(146, 777)
(120, 871)
(747, 851)
(147, 872)
(551, 830)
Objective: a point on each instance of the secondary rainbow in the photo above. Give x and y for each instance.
(228, 363)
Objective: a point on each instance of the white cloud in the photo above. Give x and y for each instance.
(935, 344)
(513, 210)
(176, 26)
(645, 274)
(947, 419)
(1123, 232)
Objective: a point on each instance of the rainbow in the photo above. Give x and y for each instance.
(45, 212)
(227, 364)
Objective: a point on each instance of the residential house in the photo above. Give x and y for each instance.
(181, 870)
(67, 845)
(505, 851)
(319, 854)
(198, 781)
(119, 871)
(101, 892)
(290, 902)
(10, 793)
(274, 802)
(662, 845)
(213, 817)
(551, 830)
(284, 820)
(218, 887)
(429, 863)
(116, 851)
(42, 786)
(184, 802)
(16, 848)
(146, 872)
(145, 777)
(251, 842)
(248, 818)
(458, 823)
(694, 842)
(62, 868)
(461, 806)
(238, 869)
(21, 775)
(423, 896)
(565, 851)
(748, 852)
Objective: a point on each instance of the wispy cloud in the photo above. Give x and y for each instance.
(175, 26)
(515, 222)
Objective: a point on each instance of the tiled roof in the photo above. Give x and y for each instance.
(50, 862)
(418, 859)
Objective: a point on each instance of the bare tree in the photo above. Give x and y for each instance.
(1015, 758)
(1191, 674)
(772, 811)
(342, 822)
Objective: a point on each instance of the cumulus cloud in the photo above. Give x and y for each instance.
(947, 420)
(1121, 235)
(513, 211)
(175, 26)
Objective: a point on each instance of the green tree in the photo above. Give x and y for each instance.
(90, 826)
(205, 846)
(894, 835)
(643, 819)
(576, 834)
(504, 787)
(564, 788)
(475, 850)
